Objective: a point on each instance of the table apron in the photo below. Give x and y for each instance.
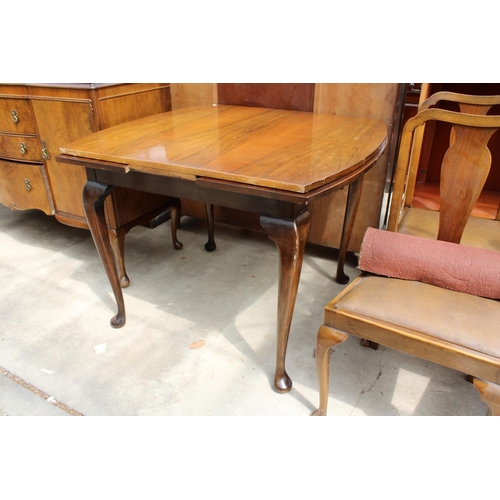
(184, 188)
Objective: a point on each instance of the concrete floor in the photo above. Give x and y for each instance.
(56, 303)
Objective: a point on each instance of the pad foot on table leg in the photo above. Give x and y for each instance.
(117, 321)
(282, 383)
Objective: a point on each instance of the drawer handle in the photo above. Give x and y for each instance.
(45, 151)
(15, 117)
(22, 148)
(27, 183)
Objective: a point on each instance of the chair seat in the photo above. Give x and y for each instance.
(479, 232)
(461, 319)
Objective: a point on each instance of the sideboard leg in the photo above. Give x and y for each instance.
(290, 238)
(94, 195)
(353, 198)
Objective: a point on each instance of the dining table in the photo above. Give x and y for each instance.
(272, 162)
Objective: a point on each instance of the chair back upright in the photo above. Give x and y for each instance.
(464, 169)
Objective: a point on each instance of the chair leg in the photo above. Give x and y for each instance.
(368, 343)
(490, 395)
(327, 339)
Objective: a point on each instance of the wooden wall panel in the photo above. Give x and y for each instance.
(376, 100)
(185, 95)
(294, 96)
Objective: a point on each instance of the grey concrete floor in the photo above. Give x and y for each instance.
(59, 356)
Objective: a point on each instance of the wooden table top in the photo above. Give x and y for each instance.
(288, 150)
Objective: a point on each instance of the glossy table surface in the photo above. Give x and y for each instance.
(272, 162)
(287, 150)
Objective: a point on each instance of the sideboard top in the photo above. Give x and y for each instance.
(81, 86)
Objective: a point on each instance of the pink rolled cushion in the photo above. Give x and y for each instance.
(471, 270)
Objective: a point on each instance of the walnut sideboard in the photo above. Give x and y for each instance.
(37, 119)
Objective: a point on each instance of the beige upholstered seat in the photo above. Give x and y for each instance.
(468, 321)
(451, 328)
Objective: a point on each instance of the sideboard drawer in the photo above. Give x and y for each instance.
(16, 116)
(22, 186)
(20, 147)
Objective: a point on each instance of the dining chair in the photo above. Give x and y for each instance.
(451, 328)
(408, 219)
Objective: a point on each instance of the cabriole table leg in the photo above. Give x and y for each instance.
(94, 195)
(290, 238)
(210, 245)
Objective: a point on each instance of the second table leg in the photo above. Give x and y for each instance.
(290, 238)
(353, 198)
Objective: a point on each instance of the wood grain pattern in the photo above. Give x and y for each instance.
(131, 105)
(293, 96)
(379, 101)
(287, 150)
(61, 121)
(19, 147)
(24, 125)
(22, 186)
(186, 95)
(466, 163)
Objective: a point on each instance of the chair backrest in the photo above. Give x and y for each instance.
(472, 104)
(464, 169)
